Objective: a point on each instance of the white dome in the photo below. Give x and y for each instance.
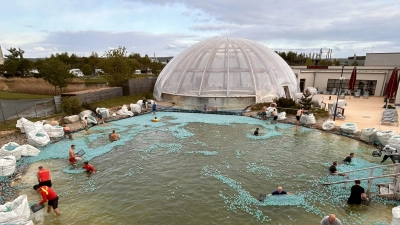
(227, 68)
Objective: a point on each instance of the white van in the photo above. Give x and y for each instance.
(76, 72)
(138, 72)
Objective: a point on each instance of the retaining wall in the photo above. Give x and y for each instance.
(95, 95)
(140, 85)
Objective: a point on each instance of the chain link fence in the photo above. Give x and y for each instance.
(15, 109)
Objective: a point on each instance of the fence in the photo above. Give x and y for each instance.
(15, 109)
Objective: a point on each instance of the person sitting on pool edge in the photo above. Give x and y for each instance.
(280, 191)
(347, 160)
(334, 171)
(114, 136)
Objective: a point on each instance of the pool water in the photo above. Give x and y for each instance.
(203, 169)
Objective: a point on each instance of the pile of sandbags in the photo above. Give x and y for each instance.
(28, 150)
(369, 135)
(394, 141)
(384, 136)
(71, 119)
(308, 119)
(7, 165)
(11, 148)
(349, 128)
(328, 125)
(90, 118)
(136, 108)
(105, 113)
(16, 212)
(54, 131)
(124, 111)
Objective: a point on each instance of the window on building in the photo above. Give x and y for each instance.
(364, 85)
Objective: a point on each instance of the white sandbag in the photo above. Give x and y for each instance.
(20, 124)
(150, 102)
(85, 113)
(349, 128)
(52, 122)
(11, 148)
(47, 127)
(124, 111)
(328, 125)
(139, 102)
(38, 137)
(384, 136)
(307, 119)
(71, 119)
(28, 127)
(136, 108)
(369, 135)
(7, 165)
(15, 212)
(281, 116)
(394, 141)
(396, 215)
(56, 131)
(269, 111)
(28, 150)
(104, 112)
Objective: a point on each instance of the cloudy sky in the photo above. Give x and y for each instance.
(166, 27)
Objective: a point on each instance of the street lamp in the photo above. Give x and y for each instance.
(340, 90)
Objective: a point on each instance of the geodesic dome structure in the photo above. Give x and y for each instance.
(226, 72)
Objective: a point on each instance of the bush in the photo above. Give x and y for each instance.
(283, 102)
(319, 113)
(71, 105)
(259, 106)
(89, 106)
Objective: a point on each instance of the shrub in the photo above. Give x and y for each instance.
(71, 105)
(283, 102)
(259, 106)
(89, 106)
(319, 113)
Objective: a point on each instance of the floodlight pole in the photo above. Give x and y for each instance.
(340, 90)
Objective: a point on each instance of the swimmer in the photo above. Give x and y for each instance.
(334, 171)
(257, 132)
(348, 158)
(330, 220)
(89, 168)
(280, 191)
(114, 136)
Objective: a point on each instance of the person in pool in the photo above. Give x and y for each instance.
(114, 136)
(280, 191)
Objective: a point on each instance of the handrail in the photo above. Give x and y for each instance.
(368, 178)
(395, 164)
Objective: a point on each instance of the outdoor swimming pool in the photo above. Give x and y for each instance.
(203, 169)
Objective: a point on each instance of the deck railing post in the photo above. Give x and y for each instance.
(396, 188)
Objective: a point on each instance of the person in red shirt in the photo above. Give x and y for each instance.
(47, 195)
(89, 168)
(43, 177)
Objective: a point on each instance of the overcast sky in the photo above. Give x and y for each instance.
(167, 27)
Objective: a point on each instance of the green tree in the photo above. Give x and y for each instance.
(56, 73)
(15, 54)
(156, 67)
(116, 66)
(355, 63)
(336, 62)
(11, 67)
(309, 62)
(94, 60)
(24, 66)
(87, 69)
(306, 100)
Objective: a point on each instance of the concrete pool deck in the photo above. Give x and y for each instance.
(365, 112)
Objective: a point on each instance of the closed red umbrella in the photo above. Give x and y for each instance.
(353, 78)
(391, 87)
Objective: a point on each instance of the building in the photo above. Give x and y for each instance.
(383, 59)
(225, 72)
(1, 57)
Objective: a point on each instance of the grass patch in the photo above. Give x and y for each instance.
(123, 100)
(15, 96)
(90, 80)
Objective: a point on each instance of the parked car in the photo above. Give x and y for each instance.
(76, 72)
(98, 71)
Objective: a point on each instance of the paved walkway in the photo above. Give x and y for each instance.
(365, 112)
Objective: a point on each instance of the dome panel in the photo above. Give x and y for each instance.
(224, 68)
